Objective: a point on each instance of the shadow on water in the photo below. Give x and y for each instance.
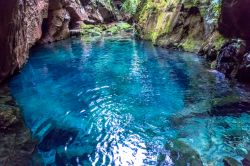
(126, 102)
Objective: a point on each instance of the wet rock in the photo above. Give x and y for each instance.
(246, 160)
(244, 70)
(183, 154)
(16, 145)
(234, 137)
(8, 118)
(230, 58)
(228, 161)
(212, 46)
(230, 109)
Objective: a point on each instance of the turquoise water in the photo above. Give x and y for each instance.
(119, 101)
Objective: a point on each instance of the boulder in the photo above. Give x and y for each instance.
(246, 160)
(228, 161)
(230, 58)
(183, 154)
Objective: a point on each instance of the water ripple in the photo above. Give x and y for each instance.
(116, 102)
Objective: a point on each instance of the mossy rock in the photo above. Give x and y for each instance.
(191, 45)
(182, 154)
(99, 30)
(224, 100)
(118, 27)
(92, 30)
(123, 25)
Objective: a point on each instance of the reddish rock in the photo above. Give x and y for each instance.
(24, 22)
(58, 26)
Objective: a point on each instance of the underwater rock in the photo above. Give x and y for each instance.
(16, 145)
(56, 138)
(183, 154)
(235, 137)
(246, 160)
(230, 109)
(64, 158)
(228, 161)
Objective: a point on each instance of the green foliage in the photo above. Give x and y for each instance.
(101, 30)
(118, 27)
(130, 6)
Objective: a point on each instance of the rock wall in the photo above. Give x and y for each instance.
(204, 26)
(26, 22)
(184, 24)
(23, 23)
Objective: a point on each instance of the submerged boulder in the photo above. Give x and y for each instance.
(230, 109)
(56, 138)
(228, 161)
(183, 154)
(246, 160)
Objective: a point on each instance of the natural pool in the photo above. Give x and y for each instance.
(124, 102)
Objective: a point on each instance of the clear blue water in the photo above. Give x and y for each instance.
(119, 101)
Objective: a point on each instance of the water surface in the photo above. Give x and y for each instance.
(119, 101)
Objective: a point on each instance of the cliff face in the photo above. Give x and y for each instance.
(17, 33)
(23, 23)
(184, 24)
(26, 22)
(206, 27)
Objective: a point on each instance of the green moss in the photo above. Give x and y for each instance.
(118, 27)
(219, 41)
(91, 30)
(99, 30)
(130, 6)
(157, 15)
(213, 65)
(224, 100)
(191, 45)
(123, 25)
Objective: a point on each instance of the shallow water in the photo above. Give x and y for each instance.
(119, 101)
